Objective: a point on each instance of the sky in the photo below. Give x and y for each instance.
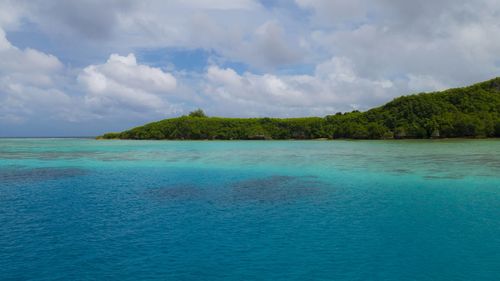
(82, 68)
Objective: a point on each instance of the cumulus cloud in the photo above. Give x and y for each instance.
(239, 30)
(10, 13)
(36, 87)
(336, 12)
(271, 47)
(28, 82)
(387, 37)
(334, 86)
(88, 19)
(220, 4)
(447, 41)
(29, 62)
(121, 82)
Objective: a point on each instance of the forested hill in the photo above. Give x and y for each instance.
(472, 111)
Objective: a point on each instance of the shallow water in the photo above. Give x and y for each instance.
(80, 209)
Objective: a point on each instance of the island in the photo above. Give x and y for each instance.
(468, 112)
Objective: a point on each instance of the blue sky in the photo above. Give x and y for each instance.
(75, 68)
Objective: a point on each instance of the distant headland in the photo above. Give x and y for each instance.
(472, 111)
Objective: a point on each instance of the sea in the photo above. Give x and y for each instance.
(85, 209)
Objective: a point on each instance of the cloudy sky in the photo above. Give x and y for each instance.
(76, 68)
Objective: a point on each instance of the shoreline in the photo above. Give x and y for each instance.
(305, 140)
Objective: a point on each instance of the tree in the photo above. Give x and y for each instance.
(197, 113)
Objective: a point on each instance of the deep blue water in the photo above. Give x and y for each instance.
(76, 209)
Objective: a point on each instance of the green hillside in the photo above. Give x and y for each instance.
(472, 111)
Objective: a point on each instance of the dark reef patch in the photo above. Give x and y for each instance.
(38, 174)
(176, 192)
(276, 188)
(272, 189)
(401, 171)
(444, 177)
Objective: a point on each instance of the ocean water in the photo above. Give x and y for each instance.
(81, 209)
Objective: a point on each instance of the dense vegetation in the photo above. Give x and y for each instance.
(463, 112)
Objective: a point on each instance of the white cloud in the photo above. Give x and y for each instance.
(334, 12)
(4, 43)
(121, 82)
(28, 82)
(29, 66)
(420, 83)
(10, 13)
(240, 30)
(220, 4)
(449, 42)
(334, 86)
(271, 47)
(34, 87)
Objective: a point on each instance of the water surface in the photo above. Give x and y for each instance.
(80, 209)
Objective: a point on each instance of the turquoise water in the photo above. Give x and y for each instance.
(80, 209)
